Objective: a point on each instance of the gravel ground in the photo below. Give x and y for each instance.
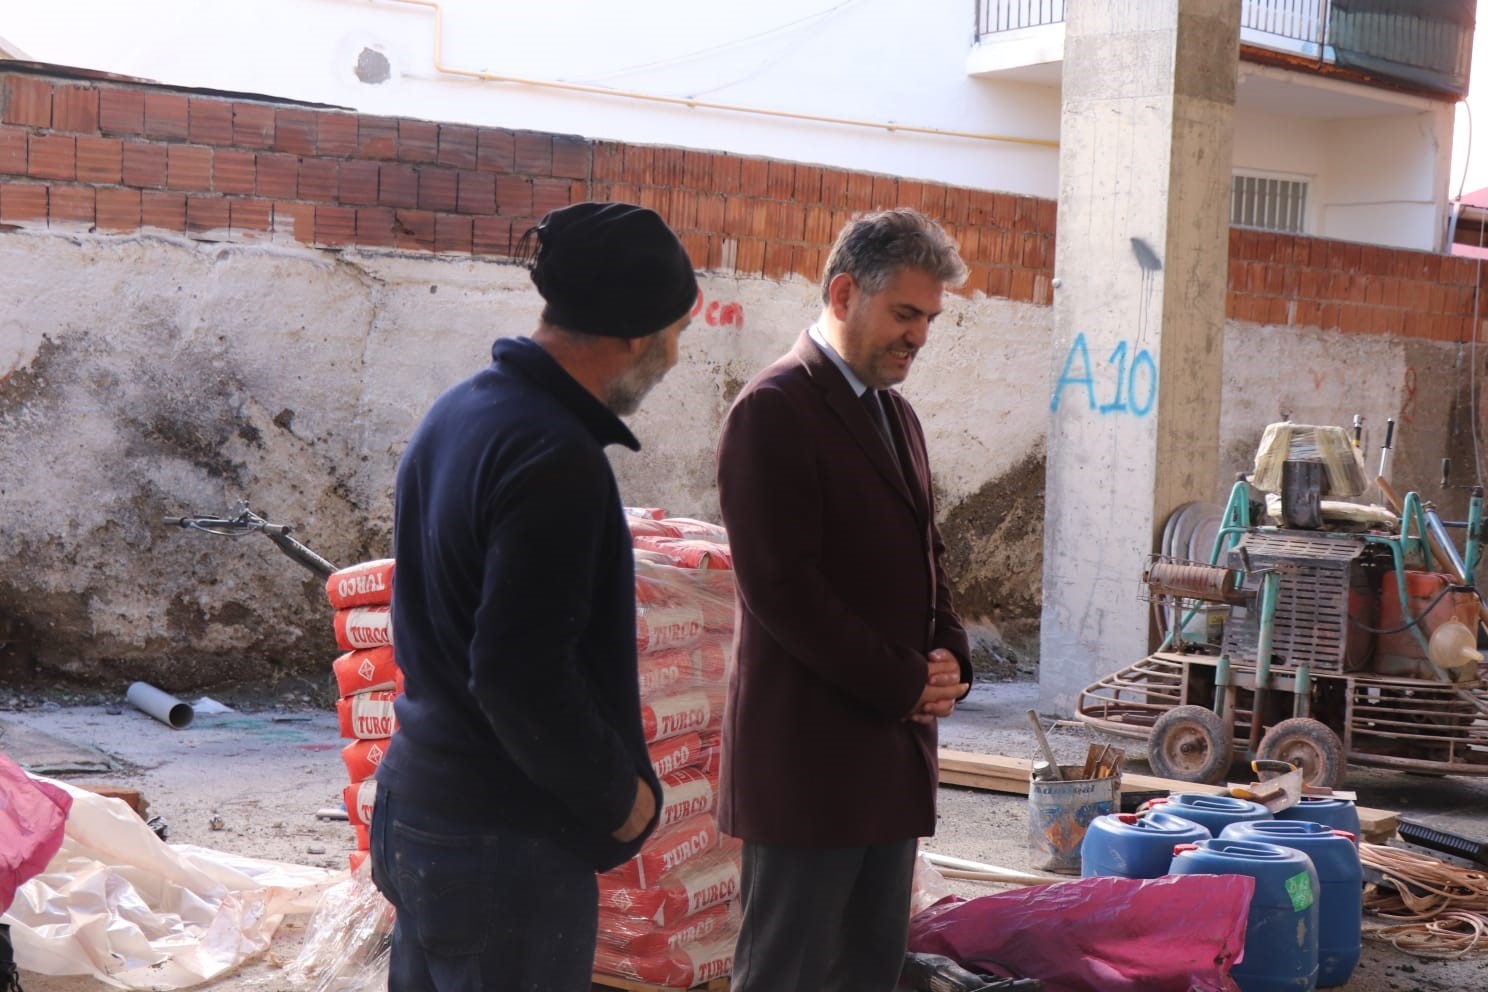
(263, 773)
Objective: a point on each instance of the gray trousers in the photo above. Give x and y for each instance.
(823, 919)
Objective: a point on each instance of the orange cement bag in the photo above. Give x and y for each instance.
(358, 798)
(363, 627)
(368, 715)
(675, 753)
(686, 553)
(356, 859)
(665, 672)
(654, 586)
(367, 584)
(667, 850)
(690, 750)
(710, 659)
(669, 583)
(696, 530)
(363, 838)
(681, 968)
(362, 758)
(715, 593)
(709, 880)
(667, 628)
(712, 752)
(645, 512)
(671, 716)
(684, 794)
(365, 670)
(668, 672)
(694, 553)
(644, 940)
(647, 527)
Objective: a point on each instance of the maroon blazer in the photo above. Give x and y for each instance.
(841, 596)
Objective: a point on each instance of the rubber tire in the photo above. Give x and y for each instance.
(1191, 744)
(1309, 743)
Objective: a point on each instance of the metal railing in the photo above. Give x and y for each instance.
(995, 16)
(1305, 21)
(1424, 43)
(1299, 20)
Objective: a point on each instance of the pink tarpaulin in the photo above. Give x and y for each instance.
(1171, 934)
(32, 817)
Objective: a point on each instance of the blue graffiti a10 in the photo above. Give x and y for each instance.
(1135, 387)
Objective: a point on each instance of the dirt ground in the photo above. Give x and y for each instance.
(251, 781)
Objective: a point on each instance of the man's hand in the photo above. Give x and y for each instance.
(943, 686)
(642, 809)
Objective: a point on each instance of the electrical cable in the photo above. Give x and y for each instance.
(1414, 621)
(1466, 155)
(1473, 386)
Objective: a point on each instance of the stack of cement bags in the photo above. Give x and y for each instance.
(666, 916)
(368, 681)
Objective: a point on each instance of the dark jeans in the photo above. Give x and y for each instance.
(481, 910)
(823, 919)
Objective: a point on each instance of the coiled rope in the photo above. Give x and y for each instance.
(1434, 909)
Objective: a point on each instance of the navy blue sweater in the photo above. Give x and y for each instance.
(514, 612)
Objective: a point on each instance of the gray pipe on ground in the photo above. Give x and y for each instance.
(160, 704)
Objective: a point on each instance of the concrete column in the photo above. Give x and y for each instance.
(1144, 176)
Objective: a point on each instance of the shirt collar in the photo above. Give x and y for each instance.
(815, 333)
(532, 360)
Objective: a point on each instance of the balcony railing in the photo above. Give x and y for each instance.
(1010, 15)
(1303, 22)
(1424, 43)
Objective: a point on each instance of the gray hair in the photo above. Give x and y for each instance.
(873, 247)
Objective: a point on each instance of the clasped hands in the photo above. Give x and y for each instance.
(943, 686)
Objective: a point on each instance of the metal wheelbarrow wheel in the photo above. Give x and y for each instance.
(1310, 745)
(1191, 744)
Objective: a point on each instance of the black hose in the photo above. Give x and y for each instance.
(1414, 621)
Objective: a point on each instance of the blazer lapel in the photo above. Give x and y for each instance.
(916, 469)
(849, 408)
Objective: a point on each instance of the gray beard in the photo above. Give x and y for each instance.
(625, 392)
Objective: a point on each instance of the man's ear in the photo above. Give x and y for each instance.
(840, 292)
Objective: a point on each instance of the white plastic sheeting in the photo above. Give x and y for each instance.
(123, 906)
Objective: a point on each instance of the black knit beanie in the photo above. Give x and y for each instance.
(610, 269)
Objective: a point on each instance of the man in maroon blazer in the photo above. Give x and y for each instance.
(848, 648)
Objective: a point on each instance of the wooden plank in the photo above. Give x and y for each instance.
(129, 795)
(1000, 773)
(627, 985)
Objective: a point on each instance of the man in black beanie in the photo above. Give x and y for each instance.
(519, 768)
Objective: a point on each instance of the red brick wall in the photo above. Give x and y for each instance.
(1349, 287)
(117, 157)
(761, 217)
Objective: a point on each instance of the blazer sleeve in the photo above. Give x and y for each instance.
(770, 495)
(950, 633)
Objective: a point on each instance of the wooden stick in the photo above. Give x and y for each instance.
(993, 876)
(1002, 773)
(1043, 743)
(962, 864)
(1092, 761)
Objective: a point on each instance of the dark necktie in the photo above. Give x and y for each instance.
(875, 408)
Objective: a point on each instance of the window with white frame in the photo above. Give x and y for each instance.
(1268, 201)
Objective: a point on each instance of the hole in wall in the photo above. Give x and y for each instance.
(373, 67)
